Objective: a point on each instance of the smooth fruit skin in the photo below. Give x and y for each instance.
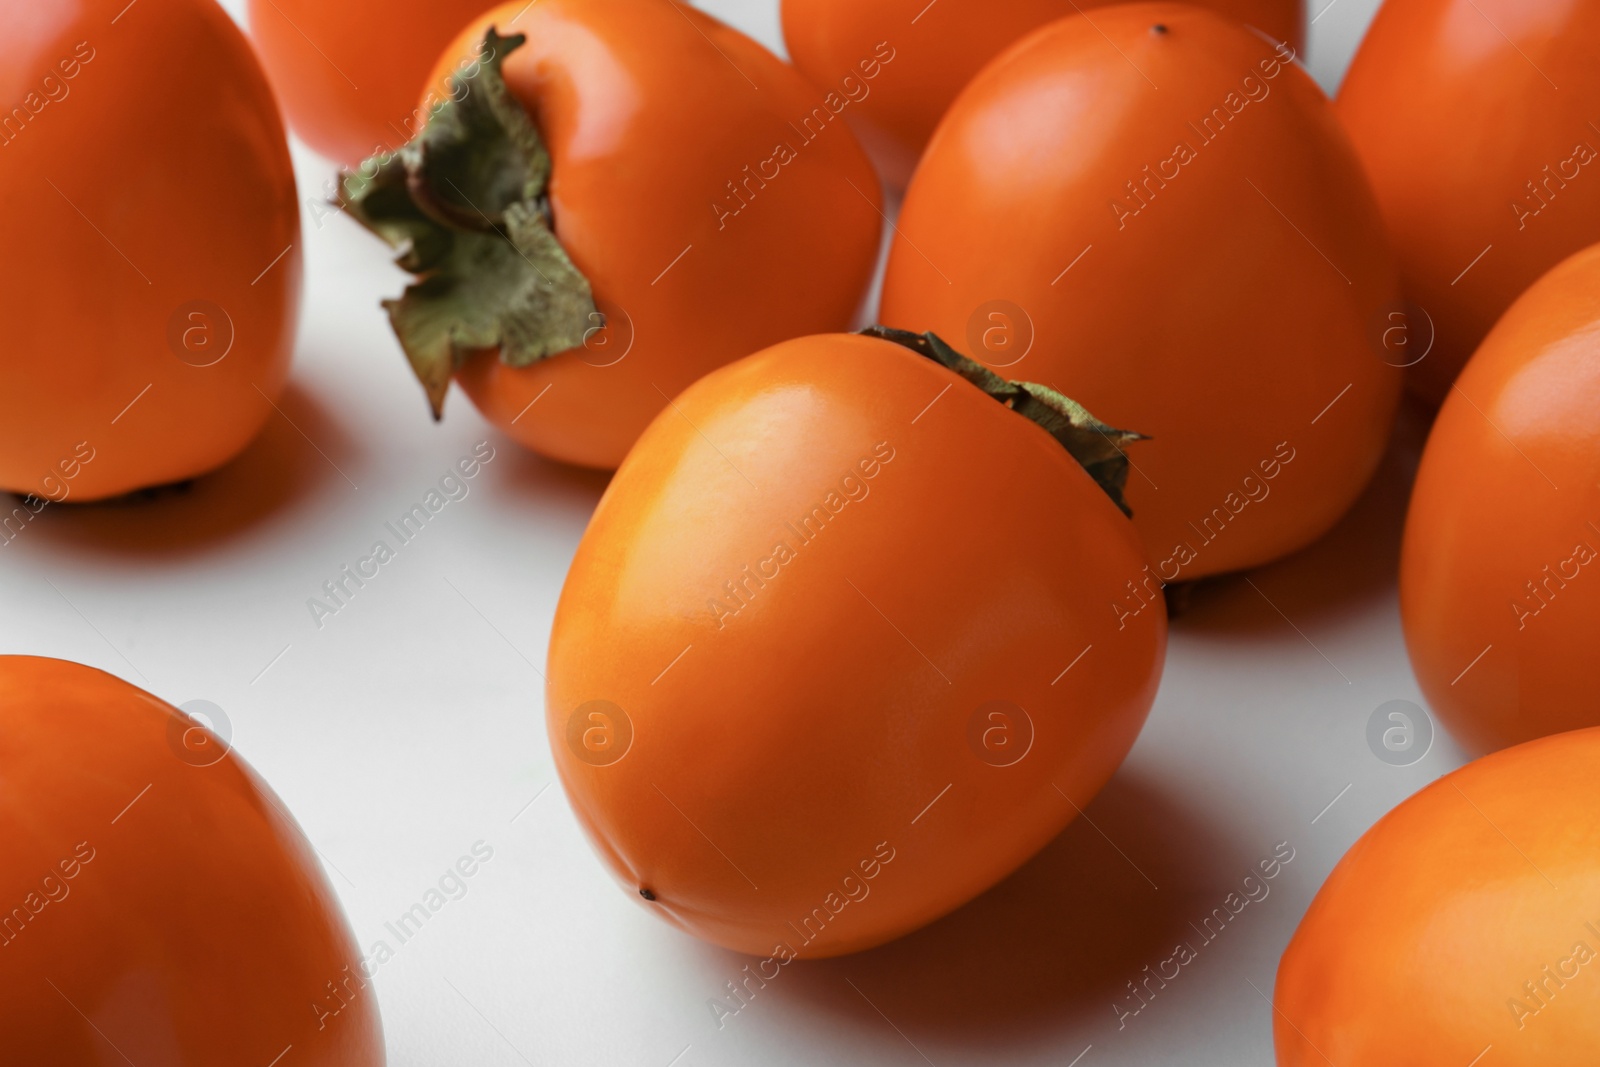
(1230, 311)
(197, 929)
(348, 72)
(154, 176)
(1457, 108)
(652, 113)
(1500, 566)
(1467, 918)
(811, 743)
(936, 49)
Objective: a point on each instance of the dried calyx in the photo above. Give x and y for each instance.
(1096, 446)
(464, 202)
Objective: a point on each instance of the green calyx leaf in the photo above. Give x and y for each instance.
(464, 202)
(1096, 446)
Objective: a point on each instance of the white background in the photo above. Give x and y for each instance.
(411, 726)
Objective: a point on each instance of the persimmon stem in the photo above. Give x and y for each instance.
(446, 214)
(464, 203)
(1096, 446)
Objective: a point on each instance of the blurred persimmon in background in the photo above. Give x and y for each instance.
(896, 65)
(1475, 120)
(1500, 568)
(349, 71)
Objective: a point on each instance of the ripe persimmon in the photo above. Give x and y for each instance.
(148, 207)
(1465, 925)
(159, 904)
(617, 197)
(899, 63)
(1157, 213)
(348, 73)
(840, 647)
(1476, 122)
(1500, 567)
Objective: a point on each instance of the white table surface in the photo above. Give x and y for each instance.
(410, 726)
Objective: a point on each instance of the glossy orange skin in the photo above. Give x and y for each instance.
(199, 930)
(1502, 542)
(646, 125)
(936, 49)
(348, 71)
(801, 735)
(159, 177)
(1224, 321)
(1455, 109)
(1418, 947)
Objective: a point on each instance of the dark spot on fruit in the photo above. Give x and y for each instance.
(647, 894)
(1159, 27)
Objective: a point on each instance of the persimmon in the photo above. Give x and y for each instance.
(1157, 212)
(839, 650)
(925, 52)
(1475, 120)
(1500, 566)
(157, 903)
(1465, 925)
(348, 73)
(616, 197)
(149, 319)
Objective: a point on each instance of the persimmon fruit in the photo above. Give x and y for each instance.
(894, 66)
(1475, 120)
(1176, 232)
(617, 197)
(348, 73)
(160, 905)
(838, 650)
(150, 319)
(1500, 565)
(1467, 919)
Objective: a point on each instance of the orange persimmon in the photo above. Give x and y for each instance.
(348, 72)
(157, 903)
(839, 649)
(617, 197)
(1463, 927)
(1500, 567)
(1476, 121)
(894, 66)
(148, 209)
(1157, 213)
